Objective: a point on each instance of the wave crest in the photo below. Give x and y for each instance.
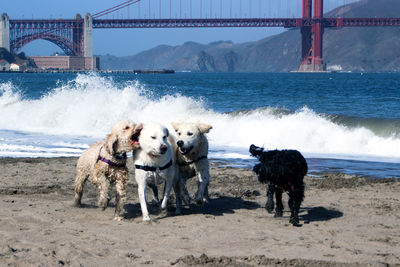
(89, 105)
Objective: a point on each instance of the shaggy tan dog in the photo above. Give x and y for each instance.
(105, 163)
(191, 158)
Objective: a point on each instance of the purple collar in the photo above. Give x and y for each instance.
(109, 162)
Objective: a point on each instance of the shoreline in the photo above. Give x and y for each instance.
(346, 221)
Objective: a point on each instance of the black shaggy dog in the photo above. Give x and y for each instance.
(283, 170)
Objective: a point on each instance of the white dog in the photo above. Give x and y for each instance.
(191, 158)
(154, 160)
(105, 163)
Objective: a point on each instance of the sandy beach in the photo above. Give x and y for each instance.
(346, 221)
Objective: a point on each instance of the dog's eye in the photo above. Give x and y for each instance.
(127, 127)
(153, 137)
(189, 133)
(179, 133)
(164, 137)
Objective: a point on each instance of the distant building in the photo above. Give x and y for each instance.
(4, 65)
(17, 67)
(67, 62)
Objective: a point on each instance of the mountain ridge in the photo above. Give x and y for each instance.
(345, 49)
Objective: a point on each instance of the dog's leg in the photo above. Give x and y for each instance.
(279, 205)
(203, 180)
(183, 191)
(295, 199)
(103, 184)
(206, 198)
(142, 197)
(80, 180)
(167, 191)
(178, 197)
(269, 206)
(104, 188)
(154, 188)
(120, 199)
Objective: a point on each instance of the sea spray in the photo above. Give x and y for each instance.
(84, 109)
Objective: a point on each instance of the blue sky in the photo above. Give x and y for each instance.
(122, 42)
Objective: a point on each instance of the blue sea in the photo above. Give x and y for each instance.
(341, 122)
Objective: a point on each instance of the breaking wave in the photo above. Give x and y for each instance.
(85, 109)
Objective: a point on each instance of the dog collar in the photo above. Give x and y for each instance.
(153, 169)
(120, 156)
(109, 162)
(187, 163)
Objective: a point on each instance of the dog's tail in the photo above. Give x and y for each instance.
(255, 150)
(80, 180)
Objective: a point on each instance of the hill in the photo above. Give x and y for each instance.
(349, 49)
(14, 58)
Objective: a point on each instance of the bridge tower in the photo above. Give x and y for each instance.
(5, 31)
(88, 36)
(312, 38)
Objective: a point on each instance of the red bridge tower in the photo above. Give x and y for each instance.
(312, 37)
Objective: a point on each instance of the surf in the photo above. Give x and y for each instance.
(85, 108)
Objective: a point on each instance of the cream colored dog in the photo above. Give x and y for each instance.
(153, 161)
(191, 159)
(105, 163)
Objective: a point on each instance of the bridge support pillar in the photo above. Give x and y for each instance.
(88, 36)
(5, 32)
(306, 33)
(77, 37)
(312, 38)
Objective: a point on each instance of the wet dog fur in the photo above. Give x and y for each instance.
(105, 163)
(282, 170)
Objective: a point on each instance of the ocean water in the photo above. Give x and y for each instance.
(341, 122)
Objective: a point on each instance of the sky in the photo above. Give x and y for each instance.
(124, 42)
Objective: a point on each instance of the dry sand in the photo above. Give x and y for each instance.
(346, 221)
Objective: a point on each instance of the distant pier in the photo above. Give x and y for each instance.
(97, 71)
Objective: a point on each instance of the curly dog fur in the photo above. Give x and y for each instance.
(105, 163)
(283, 170)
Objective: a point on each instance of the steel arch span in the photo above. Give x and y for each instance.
(64, 43)
(66, 34)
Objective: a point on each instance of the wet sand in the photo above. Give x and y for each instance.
(346, 221)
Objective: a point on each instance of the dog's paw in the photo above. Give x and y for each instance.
(178, 211)
(118, 218)
(294, 220)
(146, 218)
(103, 203)
(278, 214)
(77, 204)
(269, 206)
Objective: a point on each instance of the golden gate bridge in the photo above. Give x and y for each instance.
(74, 36)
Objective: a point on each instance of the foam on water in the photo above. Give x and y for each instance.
(84, 109)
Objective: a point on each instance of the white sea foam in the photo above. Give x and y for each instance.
(85, 109)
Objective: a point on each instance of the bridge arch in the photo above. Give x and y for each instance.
(65, 44)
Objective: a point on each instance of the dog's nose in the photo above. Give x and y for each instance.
(163, 148)
(180, 143)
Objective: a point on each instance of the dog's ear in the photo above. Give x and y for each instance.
(111, 143)
(175, 125)
(204, 128)
(138, 127)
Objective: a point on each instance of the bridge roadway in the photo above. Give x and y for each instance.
(203, 23)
